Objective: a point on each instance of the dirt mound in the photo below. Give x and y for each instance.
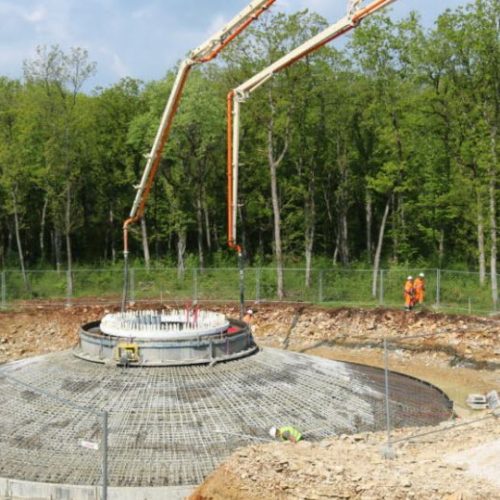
(39, 329)
(470, 340)
(352, 467)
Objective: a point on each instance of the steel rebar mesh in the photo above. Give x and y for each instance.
(173, 426)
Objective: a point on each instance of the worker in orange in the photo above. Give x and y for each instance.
(409, 293)
(419, 286)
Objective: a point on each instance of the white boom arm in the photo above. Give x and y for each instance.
(354, 16)
(204, 53)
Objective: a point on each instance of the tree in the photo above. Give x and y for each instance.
(59, 77)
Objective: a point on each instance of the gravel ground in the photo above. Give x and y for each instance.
(437, 466)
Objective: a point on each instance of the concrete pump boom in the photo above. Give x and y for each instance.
(354, 16)
(204, 53)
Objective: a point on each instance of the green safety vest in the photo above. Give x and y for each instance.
(286, 432)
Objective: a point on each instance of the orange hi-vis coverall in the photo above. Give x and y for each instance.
(409, 294)
(419, 286)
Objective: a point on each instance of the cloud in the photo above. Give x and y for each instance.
(117, 65)
(14, 12)
(37, 15)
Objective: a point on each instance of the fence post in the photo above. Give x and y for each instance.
(104, 455)
(438, 288)
(195, 285)
(381, 288)
(257, 285)
(131, 286)
(4, 291)
(321, 292)
(388, 451)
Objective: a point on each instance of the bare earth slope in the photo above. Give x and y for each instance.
(351, 467)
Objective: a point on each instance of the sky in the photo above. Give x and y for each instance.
(143, 38)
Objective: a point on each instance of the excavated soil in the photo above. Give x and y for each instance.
(458, 354)
(438, 466)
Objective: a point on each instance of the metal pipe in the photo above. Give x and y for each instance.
(235, 160)
(220, 40)
(154, 156)
(104, 445)
(226, 41)
(206, 52)
(242, 92)
(370, 9)
(229, 171)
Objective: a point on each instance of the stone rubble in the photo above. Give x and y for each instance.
(352, 467)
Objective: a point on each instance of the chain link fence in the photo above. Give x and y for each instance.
(433, 406)
(451, 291)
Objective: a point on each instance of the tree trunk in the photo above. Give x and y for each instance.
(343, 238)
(441, 248)
(494, 249)
(395, 240)
(278, 251)
(329, 213)
(67, 231)
(369, 219)
(336, 251)
(274, 162)
(18, 241)
(480, 241)
(42, 228)
(199, 224)
(181, 250)
(145, 244)
(342, 202)
(378, 251)
(57, 249)
(309, 245)
(9, 242)
(207, 226)
(310, 228)
(112, 241)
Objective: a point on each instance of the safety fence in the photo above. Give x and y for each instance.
(35, 422)
(453, 291)
(440, 414)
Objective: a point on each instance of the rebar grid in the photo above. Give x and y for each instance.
(173, 426)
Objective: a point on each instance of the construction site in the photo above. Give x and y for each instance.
(156, 400)
(171, 427)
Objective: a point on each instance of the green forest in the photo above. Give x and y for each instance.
(383, 150)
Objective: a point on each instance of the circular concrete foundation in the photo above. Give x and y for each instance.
(172, 426)
(164, 338)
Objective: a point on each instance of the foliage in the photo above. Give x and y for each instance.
(401, 114)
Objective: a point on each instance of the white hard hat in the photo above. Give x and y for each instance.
(249, 311)
(273, 431)
(422, 275)
(410, 277)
